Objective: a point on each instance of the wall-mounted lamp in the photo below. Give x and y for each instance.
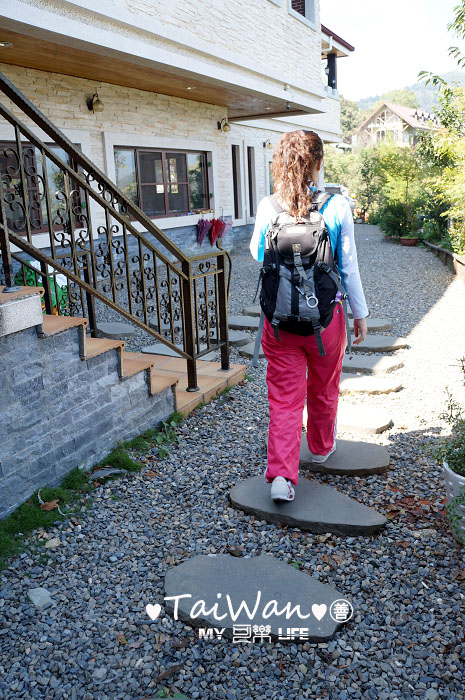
(94, 104)
(267, 144)
(5, 44)
(288, 105)
(223, 125)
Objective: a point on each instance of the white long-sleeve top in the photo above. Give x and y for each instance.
(339, 222)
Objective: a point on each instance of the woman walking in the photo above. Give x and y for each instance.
(296, 370)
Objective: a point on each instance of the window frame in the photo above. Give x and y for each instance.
(166, 183)
(303, 18)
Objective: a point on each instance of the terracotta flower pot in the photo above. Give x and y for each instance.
(409, 241)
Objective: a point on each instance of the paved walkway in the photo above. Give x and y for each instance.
(406, 637)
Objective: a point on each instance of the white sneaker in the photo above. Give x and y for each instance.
(322, 458)
(282, 489)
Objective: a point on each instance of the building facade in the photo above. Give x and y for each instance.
(395, 123)
(180, 103)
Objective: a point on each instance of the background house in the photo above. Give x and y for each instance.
(395, 123)
(166, 79)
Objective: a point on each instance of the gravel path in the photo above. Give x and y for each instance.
(406, 638)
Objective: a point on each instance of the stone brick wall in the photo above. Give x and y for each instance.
(59, 411)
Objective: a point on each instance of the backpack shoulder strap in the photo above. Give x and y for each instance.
(277, 208)
(274, 204)
(320, 199)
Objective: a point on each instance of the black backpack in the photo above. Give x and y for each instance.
(299, 277)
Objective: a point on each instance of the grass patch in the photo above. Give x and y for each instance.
(29, 516)
(164, 435)
(119, 459)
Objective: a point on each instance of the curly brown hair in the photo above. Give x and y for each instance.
(293, 168)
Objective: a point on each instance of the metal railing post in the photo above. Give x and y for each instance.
(189, 331)
(5, 251)
(223, 312)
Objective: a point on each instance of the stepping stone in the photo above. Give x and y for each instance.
(351, 457)
(115, 330)
(252, 310)
(364, 384)
(238, 338)
(362, 420)
(248, 350)
(160, 349)
(316, 508)
(375, 325)
(380, 343)
(268, 587)
(365, 364)
(243, 323)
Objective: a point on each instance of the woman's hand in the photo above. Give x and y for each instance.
(360, 330)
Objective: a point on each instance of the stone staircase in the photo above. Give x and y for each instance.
(163, 370)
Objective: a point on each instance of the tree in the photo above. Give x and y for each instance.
(369, 180)
(351, 118)
(446, 149)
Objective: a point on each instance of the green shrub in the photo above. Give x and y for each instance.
(398, 219)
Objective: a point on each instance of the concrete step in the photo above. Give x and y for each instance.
(380, 343)
(316, 508)
(359, 420)
(366, 364)
(374, 325)
(351, 457)
(248, 350)
(115, 329)
(243, 323)
(253, 582)
(365, 384)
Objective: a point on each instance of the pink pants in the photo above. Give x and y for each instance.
(295, 371)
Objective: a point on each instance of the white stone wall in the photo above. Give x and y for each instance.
(136, 117)
(256, 42)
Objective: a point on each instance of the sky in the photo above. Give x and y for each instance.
(393, 42)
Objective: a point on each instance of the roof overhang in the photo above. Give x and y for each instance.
(154, 69)
(332, 43)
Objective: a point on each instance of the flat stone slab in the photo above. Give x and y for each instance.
(365, 384)
(380, 343)
(267, 586)
(238, 338)
(316, 508)
(243, 323)
(361, 420)
(254, 310)
(364, 364)
(115, 330)
(351, 457)
(374, 325)
(248, 350)
(160, 349)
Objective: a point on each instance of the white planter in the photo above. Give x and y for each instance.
(454, 482)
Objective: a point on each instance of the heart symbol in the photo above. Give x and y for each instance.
(319, 610)
(153, 611)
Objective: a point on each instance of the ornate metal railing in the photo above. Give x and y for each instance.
(69, 219)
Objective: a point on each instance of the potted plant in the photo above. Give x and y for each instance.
(409, 239)
(452, 455)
